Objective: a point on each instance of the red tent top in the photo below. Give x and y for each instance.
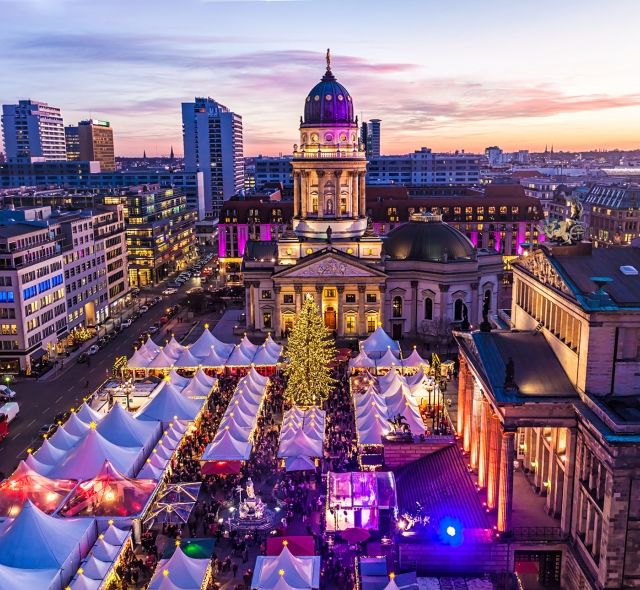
(221, 467)
(300, 546)
(26, 484)
(109, 493)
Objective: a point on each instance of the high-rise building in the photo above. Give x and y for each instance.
(72, 141)
(96, 143)
(370, 137)
(212, 137)
(33, 129)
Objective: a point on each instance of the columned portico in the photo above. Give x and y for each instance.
(505, 495)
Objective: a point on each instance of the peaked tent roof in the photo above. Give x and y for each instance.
(150, 347)
(122, 429)
(203, 378)
(49, 454)
(19, 579)
(75, 426)
(378, 342)
(196, 388)
(104, 550)
(202, 346)
(227, 448)
(35, 533)
(82, 582)
(414, 360)
(161, 361)
(169, 403)
(361, 361)
(187, 359)
(87, 414)
(140, 359)
(114, 535)
(87, 458)
(177, 379)
(265, 357)
(297, 572)
(63, 440)
(388, 359)
(184, 572)
(299, 464)
(300, 445)
(239, 357)
(257, 378)
(174, 347)
(214, 358)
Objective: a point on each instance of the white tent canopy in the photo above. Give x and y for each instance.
(122, 429)
(184, 573)
(414, 360)
(87, 414)
(297, 572)
(167, 403)
(378, 343)
(226, 448)
(362, 361)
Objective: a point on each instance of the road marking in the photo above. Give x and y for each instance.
(62, 396)
(32, 422)
(46, 409)
(15, 436)
(70, 388)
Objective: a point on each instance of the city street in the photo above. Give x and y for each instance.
(40, 400)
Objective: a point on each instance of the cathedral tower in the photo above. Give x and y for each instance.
(329, 165)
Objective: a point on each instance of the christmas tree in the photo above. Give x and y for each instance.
(309, 351)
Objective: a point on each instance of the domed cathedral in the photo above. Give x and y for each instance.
(426, 275)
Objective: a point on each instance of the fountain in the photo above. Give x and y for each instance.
(253, 514)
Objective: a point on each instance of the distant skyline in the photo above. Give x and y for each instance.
(448, 76)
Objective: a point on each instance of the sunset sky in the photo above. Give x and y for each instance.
(447, 75)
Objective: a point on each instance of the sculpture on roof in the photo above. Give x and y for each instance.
(510, 376)
(568, 231)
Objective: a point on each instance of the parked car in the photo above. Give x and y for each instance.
(135, 291)
(144, 309)
(93, 349)
(174, 285)
(10, 410)
(61, 417)
(47, 430)
(125, 323)
(6, 392)
(170, 291)
(153, 329)
(164, 319)
(83, 358)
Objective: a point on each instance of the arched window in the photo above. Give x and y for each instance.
(397, 307)
(459, 310)
(428, 308)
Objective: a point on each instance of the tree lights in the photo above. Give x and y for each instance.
(309, 351)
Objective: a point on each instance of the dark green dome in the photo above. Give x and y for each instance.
(427, 238)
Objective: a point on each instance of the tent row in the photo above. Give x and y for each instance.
(388, 360)
(180, 572)
(301, 438)
(169, 402)
(385, 399)
(160, 457)
(206, 351)
(98, 564)
(234, 439)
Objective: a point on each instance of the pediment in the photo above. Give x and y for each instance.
(542, 269)
(334, 264)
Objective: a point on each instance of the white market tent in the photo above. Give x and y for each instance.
(300, 445)
(362, 361)
(227, 448)
(299, 464)
(87, 414)
(187, 360)
(63, 440)
(388, 360)
(203, 378)
(177, 379)
(378, 343)
(58, 544)
(140, 359)
(297, 572)
(167, 403)
(239, 357)
(122, 429)
(75, 426)
(414, 360)
(87, 458)
(161, 361)
(184, 573)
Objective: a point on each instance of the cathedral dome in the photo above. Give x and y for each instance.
(427, 238)
(328, 102)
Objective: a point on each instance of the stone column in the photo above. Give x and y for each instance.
(304, 193)
(361, 318)
(277, 320)
(473, 316)
(319, 290)
(383, 289)
(569, 471)
(298, 296)
(321, 194)
(468, 414)
(463, 375)
(338, 198)
(444, 301)
(251, 321)
(505, 496)
(483, 444)
(475, 427)
(493, 468)
(339, 311)
(354, 203)
(296, 194)
(538, 475)
(361, 194)
(413, 326)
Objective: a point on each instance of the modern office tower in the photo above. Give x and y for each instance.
(160, 231)
(33, 129)
(212, 136)
(72, 141)
(273, 169)
(370, 137)
(96, 143)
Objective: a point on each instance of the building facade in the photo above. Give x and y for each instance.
(72, 142)
(427, 274)
(273, 170)
(213, 144)
(33, 129)
(160, 229)
(558, 396)
(370, 134)
(424, 167)
(612, 213)
(96, 143)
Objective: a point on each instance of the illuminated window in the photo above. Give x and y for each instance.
(351, 324)
(372, 322)
(266, 319)
(397, 307)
